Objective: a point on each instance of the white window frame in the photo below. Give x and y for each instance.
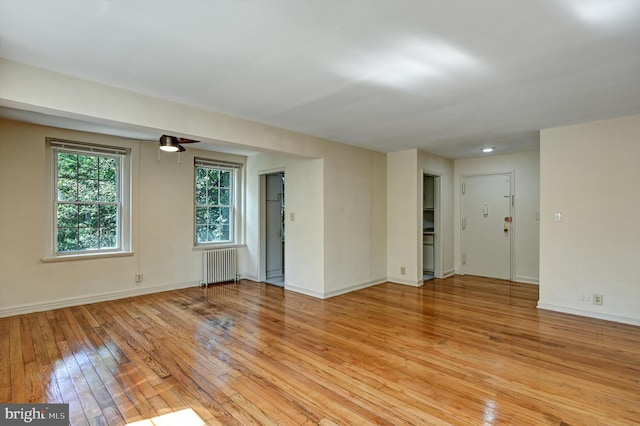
(236, 227)
(123, 155)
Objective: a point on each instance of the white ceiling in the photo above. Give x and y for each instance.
(448, 77)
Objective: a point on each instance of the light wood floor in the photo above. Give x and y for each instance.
(464, 350)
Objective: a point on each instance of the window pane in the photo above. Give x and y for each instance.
(108, 238)
(213, 177)
(67, 165)
(108, 169)
(108, 216)
(202, 234)
(201, 192)
(67, 239)
(225, 178)
(67, 189)
(201, 215)
(67, 215)
(87, 167)
(88, 217)
(225, 195)
(212, 196)
(88, 239)
(107, 192)
(88, 190)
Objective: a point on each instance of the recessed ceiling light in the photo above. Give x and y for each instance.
(487, 150)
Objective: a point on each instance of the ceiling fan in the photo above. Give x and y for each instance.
(174, 144)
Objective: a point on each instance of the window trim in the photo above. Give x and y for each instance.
(55, 145)
(237, 206)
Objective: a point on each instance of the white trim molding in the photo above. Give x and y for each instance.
(527, 280)
(590, 314)
(354, 287)
(95, 298)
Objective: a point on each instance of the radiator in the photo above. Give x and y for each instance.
(219, 266)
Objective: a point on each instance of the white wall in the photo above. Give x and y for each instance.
(355, 226)
(405, 170)
(526, 168)
(590, 174)
(304, 236)
(404, 224)
(352, 183)
(162, 222)
(444, 167)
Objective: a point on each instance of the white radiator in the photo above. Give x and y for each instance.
(219, 266)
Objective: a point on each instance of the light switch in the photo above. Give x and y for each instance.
(485, 210)
(557, 217)
(537, 215)
(292, 217)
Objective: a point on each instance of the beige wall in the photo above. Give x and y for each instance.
(304, 236)
(405, 171)
(526, 169)
(345, 187)
(162, 225)
(590, 174)
(444, 168)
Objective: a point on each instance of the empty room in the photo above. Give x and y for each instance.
(319, 212)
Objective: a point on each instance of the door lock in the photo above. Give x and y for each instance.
(506, 227)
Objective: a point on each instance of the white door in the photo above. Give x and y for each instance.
(275, 227)
(486, 225)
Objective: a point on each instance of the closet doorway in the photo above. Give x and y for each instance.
(431, 227)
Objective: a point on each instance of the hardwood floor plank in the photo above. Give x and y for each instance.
(460, 351)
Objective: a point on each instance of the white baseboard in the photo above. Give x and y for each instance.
(448, 274)
(590, 314)
(304, 291)
(28, 308)
(526, 280)
(403, 281)
(249, 277)
(354, 288)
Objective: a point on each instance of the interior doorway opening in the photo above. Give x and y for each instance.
(430, 230)
(274, 248)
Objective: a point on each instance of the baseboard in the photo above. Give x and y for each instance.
(249, 277)
(403, 281)
(354, 287)
(448, 274)
(590, 314)
(303, 290)
(83, 300)
(526, 280)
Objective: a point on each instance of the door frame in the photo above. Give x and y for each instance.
(262, 257)
(512, 229)
(437, 217)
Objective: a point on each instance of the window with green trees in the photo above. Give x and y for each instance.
(213, 204)
(88, 200)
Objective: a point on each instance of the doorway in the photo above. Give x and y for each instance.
(487, 220)
(430, 229)
(274, 228)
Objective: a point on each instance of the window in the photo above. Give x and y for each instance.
(90, 198)
(216, 202)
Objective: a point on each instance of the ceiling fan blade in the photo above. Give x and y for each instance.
(181, 148)
(185, 140)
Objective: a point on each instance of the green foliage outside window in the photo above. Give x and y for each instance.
(87, 202)
(213, 199)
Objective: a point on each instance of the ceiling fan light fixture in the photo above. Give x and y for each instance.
(169, 143)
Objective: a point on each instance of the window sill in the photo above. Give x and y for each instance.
(70, 257)
(217, 246)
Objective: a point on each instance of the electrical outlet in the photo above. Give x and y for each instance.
(403, 270)
(139, 277)
(598, 299)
